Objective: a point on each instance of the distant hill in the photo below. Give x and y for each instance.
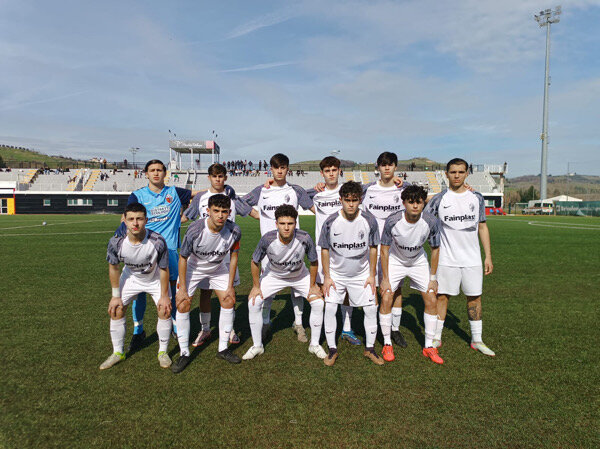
(420, 163)
(585, 187)
(23, 157)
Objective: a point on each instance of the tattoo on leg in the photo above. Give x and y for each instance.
(474, 313)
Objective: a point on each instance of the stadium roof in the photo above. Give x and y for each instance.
(194, 146)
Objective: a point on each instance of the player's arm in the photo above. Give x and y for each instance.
(327, 281)
(255, 271)
(182, 292)
(115, 303)
(484, 236)
(314, 290)
(254, 214)
(435, 258)
(385, 286)
(372, 268)
(164, 303)
(233, 263)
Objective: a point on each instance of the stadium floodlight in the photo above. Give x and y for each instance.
(545, 19)
(133, 150)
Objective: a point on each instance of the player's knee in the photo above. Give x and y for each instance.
(257, 306)
(228, 302)
(183, 307)
(317, 304)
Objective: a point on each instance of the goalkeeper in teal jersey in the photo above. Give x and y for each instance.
(164, 205)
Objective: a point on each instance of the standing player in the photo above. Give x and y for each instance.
(164, 205)
(217, 176)
(462, 216)
(202, 262)
(146, 260)
(349, 242)
(284, 250)
(382, 198)
(268, 199)
(326, 203)
(403, 255)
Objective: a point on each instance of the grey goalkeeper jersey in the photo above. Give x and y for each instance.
(142, 259)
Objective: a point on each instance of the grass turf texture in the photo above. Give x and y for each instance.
(541, 390)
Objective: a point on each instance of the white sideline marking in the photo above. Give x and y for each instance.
(41, 234)
(49, 224)
(552, 224)
(548, 225)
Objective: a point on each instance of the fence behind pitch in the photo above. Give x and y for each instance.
(581, 208)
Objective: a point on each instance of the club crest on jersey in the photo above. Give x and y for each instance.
(396, 198)
(287, 198)
(297, 254)
(361, 235)
(472, 207)
(169, 198)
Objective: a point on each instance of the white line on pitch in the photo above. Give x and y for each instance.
(50, 224)
(548, 225)
(42, 234)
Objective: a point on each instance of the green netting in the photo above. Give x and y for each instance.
(581, 208)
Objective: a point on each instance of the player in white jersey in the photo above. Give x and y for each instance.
(403, 255)
(349, 242)
(146, 258)
(382, 199)
(268, 199)
(462, 216)
(202, 263)
(217, 176)
(326, 202)
(284, 250)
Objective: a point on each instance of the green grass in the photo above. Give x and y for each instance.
(540, 391)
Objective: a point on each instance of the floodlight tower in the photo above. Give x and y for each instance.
(545, 19)
(133, 150)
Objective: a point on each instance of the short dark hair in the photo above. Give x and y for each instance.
(387, 158)
(329, 161)
(152, 162)
(135, 207)
(413, 193)
(220, 200)
(351, 188)
(279, 160)
(217, 169)
(457, 161)
(286, 210)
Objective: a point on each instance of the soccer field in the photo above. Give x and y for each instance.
(540, 314)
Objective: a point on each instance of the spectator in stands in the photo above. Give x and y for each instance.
(115, 186)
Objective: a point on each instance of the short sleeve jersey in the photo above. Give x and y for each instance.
(406, 239)
(267, 200)
(285, 260)
(208, 249)
(326, 204)
(349, 243)
(459, 215)
(382, 201)
(141, 260)
(163, 210)
(199, 205)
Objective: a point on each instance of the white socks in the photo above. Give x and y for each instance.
(476, 330)
(438, 329)
(298, 303)
(255, 319)
(225, 325)
(396, 317)
(117, 334)
(317, 307)
(385, 322)
(205, 320)
(331, 324)
(346, 318)
(266, 309)
(163, 330)
(183, 332)
(370, 325)
(430, 329)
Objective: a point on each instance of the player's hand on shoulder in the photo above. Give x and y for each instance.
(398, 181)
(488, 265)
(469, 187)
(320, 186)
(268, 183)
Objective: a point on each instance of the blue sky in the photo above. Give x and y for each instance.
(421, 78)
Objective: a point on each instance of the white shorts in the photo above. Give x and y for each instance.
(216, 279)
(131, 286)
(271, 284)
(452, 279)
(358, 294)
(205, 283)
(418, 275)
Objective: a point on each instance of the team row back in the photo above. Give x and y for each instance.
(367, 236)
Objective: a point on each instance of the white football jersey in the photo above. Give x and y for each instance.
(459, 215)
(349, 243)
(406, 239)
(382, 202)
(285, 260)
(141, 260)
(199, 204)
(326, 204)
(206, 249)
(267, 200)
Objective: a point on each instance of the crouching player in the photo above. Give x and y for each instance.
(285, 249)
(146, 258)
(348, 244)
(403, 255)
(202, 260)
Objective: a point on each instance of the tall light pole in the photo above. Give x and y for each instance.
(133, 150)
(545, 19)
